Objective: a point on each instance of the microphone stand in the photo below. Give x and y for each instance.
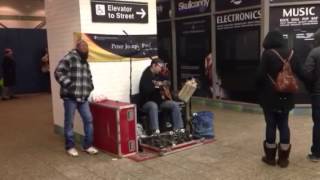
(130, 64)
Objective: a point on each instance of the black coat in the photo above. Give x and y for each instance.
(9, 71)
(148, 92)
(270, 64)
(311, 71)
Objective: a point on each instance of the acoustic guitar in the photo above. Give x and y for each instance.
(165, 93)
(164, 87)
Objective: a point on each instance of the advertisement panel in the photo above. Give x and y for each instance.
(293, 17)
(298, 23)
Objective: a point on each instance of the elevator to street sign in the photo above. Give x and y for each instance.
(119, 11)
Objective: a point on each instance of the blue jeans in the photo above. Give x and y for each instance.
(151, 108)
(274, 120)
(70, 107)
(315, 148)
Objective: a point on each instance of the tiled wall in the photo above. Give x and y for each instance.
(63, 19)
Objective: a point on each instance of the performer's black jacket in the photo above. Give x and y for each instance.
(147, 90)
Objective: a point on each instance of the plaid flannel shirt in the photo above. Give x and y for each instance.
(74, 77)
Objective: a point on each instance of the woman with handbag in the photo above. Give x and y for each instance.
(276, 105)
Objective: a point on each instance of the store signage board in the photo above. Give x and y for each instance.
(295, 16)
(238, 20)
(119, 11)
(192, 7)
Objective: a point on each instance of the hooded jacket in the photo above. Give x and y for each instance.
(311, 67)
(270, 65)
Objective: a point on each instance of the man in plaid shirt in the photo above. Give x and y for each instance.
(74, 76)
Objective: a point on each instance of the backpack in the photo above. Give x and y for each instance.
(202, 125)
(285, 81)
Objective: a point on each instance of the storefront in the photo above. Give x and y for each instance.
(298, 21)
(188, 27)
(238, 47)
(226, 37)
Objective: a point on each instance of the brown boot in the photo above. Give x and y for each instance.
(283, 160)
(270, 154)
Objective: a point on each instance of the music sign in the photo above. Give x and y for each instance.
(119, 11)
(295, 16)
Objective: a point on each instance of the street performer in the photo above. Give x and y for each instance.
(152, 99)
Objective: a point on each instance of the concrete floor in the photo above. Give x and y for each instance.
(30, 150)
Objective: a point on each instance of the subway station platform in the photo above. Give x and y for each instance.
(30, 149)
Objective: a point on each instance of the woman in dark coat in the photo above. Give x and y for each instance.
(275, 105)
(9, 74)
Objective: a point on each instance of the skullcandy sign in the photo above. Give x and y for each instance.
(234, 4)
(191, 7)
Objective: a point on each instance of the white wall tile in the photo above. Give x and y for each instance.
(63, 19)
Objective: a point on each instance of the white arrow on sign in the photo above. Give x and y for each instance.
(142, 13)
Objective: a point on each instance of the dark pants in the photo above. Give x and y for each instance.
(274, 120)
(315, 148)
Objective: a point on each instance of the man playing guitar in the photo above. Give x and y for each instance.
(152, 98)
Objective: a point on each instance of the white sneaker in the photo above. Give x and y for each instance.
(91, 150)
(73, 152)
